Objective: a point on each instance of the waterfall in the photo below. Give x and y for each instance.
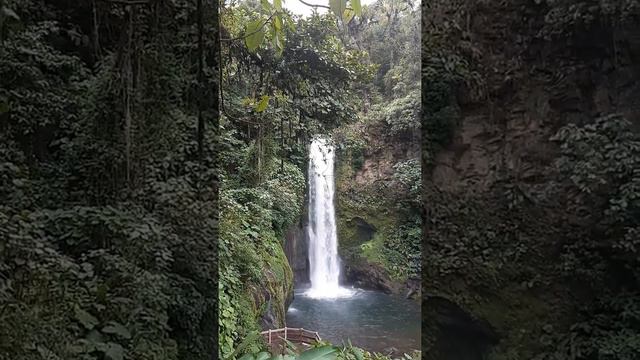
(324, 265)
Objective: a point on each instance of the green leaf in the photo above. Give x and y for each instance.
(247, 340)
(338, 6)
(262, 105)
(357, 8)
(116, 328)
(347, 15)
(277, 23)
(10, 13)
(254, 34)
(87, 320)
(262, 356)
(358, 353)
(246, 357)
(277, 4)
(114, 352)
(266, 6)
(95, 336)
(279, 46)
(322, 353)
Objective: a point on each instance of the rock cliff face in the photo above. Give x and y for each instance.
(272, 299)
(367, 216)
(509, 134)
(532, 85)
(381, 157)
(297, 250)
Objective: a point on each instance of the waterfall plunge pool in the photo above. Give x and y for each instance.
(372, 320)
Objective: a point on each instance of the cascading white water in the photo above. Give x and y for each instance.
(324, 265)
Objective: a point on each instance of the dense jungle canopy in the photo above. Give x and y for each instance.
(118, 152)
(108, 177)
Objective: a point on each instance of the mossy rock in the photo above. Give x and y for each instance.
(364, 221)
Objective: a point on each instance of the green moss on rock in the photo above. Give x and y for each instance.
(361, 208)
(502, 271)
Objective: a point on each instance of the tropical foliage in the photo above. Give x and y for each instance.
(389, 128)
(322, 350)
(275, 99)
(108, 185)
(285, 79)
(545, 264)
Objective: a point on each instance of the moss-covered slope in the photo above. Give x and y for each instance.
(256, 280)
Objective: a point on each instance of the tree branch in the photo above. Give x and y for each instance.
(315, 6)
(247, 35)
(320, 6)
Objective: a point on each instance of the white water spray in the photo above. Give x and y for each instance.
(324, 266)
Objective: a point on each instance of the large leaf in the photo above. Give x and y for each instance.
(114, 352)
(321, 353)
(10, 13)
(87, 320)
(246, 357)
(357, 8)
(277, 23)
(278, 44)
(95, 336)
(277, 4)
(254, 34)
(116, 328)
(262, 356)
(262, 105)
(347, 15)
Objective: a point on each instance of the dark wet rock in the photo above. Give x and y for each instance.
(364, 230)
(269, 320)
(458, 334)
(370, 277)
(296, 247)
(413, 287)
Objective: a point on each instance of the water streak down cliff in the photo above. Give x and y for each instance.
(324, 264)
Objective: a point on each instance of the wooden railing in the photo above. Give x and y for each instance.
(275, 338)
